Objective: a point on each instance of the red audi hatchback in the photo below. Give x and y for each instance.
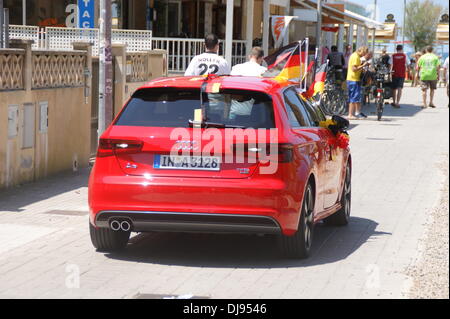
(218, 155)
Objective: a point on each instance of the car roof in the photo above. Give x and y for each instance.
(267, 85)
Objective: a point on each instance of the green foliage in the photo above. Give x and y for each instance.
(421, 22)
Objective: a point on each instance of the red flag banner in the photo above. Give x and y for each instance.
(279, 27)
(330, 29)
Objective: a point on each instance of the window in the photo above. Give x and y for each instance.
(297, 115)
(173, 107)
(314, 113)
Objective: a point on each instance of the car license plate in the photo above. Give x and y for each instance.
(200, 163)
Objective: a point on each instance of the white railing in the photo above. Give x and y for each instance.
(62, 38)
(181, 51)
(57, 38)
(26, 32)
(238, 52)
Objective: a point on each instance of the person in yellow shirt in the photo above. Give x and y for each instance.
(355, 67)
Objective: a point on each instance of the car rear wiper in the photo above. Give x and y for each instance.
(215, 125)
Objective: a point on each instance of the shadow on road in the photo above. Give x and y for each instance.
(391, 114)
(15, 198)
(330, 244)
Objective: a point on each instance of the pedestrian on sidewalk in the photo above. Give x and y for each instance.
(348, 52)
(253, 66)
(385, 58)
(336, 62)
(355, 67)
(399, 67)
(428, 66)
(417, 56)
(412, 70)
(209, 62)
(446, 74)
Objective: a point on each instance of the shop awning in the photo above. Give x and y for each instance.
(340, 16)
(389, 32)
(442, 32)
(371, 24)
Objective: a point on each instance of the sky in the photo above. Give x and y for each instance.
(396, 8)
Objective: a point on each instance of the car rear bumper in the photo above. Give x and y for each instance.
(190, 222)
(195, 204)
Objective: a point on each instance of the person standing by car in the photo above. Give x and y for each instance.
(399, 66)
(355, 67)
(428, 66)
(253, 66)
(209, 62)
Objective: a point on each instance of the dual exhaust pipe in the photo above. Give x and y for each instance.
(117, 225)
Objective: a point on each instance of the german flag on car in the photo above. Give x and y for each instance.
(287, 63)
(319, 82)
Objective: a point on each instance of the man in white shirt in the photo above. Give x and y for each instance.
(209, 62)
(253, 66)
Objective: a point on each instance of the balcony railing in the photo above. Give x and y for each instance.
(180, 50)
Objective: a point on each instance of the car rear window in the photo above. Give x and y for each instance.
(174, 107)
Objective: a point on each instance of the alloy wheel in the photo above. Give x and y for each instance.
(308, 209)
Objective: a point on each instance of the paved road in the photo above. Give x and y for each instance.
(45, 250)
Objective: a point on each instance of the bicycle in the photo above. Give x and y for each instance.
(383, 88)
(334, 99)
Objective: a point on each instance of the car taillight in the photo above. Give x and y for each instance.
(110, 147)
(281, 153)
(285, 153)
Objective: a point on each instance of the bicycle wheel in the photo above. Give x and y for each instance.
(342, 103)
(337, 102)
(380, 107)
(325, 102)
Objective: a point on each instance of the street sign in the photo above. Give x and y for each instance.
(86, 13)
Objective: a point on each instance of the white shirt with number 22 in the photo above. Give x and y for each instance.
(208, 63)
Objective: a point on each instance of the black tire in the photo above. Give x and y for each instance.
(342, 216)
(107, 240)
(380, 107)
(342, 101)
(299, 244)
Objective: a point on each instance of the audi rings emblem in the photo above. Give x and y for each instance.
(186, 145)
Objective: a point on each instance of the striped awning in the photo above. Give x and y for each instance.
(442, 32)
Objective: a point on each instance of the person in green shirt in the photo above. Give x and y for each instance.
(428, 67)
